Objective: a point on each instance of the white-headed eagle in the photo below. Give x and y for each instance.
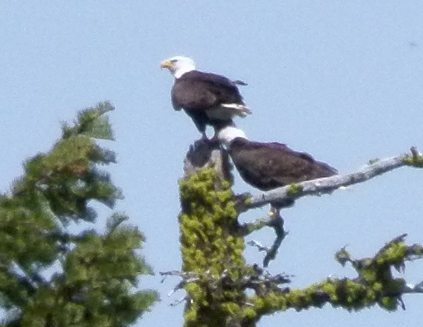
(209, 99)
(270, 165)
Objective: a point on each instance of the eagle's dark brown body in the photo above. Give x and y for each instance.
(202, 95)
(270, 165)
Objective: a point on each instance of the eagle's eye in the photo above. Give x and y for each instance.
(173, 60)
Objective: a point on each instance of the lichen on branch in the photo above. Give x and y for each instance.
(374, 284)
(211, 248)
(223, 290)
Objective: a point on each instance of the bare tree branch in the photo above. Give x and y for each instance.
(274, 220)
(411, 288)
(330, 184)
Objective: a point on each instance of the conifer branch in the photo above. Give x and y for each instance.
(329, 184)
(95, 274)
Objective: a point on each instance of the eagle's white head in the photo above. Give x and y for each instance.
(178, 65)
(229, 133)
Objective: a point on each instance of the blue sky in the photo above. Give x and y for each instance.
(339, 79)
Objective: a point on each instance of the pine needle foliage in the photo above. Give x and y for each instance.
(50, 275)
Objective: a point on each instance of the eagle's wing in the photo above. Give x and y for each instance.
(270, 165)
(202, 91)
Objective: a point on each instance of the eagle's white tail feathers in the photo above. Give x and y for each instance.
(237, 109)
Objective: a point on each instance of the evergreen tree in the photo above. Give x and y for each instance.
(224, 290)
(51, 276)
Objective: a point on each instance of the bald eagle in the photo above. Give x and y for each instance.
(270, 165)
(209, 99)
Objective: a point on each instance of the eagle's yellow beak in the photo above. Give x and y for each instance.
(166, 64)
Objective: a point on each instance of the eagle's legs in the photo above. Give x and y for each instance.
(214, 141)
(204, 136)
(203, 141)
